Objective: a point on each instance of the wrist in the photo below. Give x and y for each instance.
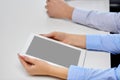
(83, 41)
(69, 12)
(59, 72)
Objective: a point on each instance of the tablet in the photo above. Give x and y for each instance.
(52, 51)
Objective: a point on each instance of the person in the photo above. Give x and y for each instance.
(106, 21)
(92, 42)
(108, 42)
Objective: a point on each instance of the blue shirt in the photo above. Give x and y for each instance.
(105, 21)
(102, 21)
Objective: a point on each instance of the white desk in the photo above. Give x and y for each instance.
(18, 18)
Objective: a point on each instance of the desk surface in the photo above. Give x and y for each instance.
(18, 18)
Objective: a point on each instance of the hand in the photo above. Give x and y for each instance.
(72, 39)
(36, 66)
(59, 9)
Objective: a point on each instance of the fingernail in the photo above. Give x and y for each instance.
(21, 56)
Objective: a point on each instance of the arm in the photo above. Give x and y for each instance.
(59, 72)
(95, 42)
(109, 43)
(38, 67)
(106, 21)
(80, 73)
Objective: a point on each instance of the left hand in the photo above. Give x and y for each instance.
(34, 66)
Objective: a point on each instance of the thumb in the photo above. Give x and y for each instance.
(55, 35)
(49, 35)
(29, 59)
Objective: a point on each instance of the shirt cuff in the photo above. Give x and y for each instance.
(118, 72)
(76, 73)
(93, 42)
(79, 73)
(79, 16)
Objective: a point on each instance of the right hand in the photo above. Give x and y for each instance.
(72, 39)
(59, 9)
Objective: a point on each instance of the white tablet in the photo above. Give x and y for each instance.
(52, 51)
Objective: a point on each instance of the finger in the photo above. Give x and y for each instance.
(26, 66)
(52, 35)
(49, 35)
(58, 36)
(30, 59)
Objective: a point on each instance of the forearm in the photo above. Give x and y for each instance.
(108, 42)
(80, 73)
(76, 40)
(96, 19)
(59, 72)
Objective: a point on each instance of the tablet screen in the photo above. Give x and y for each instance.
(53, 52)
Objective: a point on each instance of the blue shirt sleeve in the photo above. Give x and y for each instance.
(108, 42)
(107, 21)
(80, 73)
